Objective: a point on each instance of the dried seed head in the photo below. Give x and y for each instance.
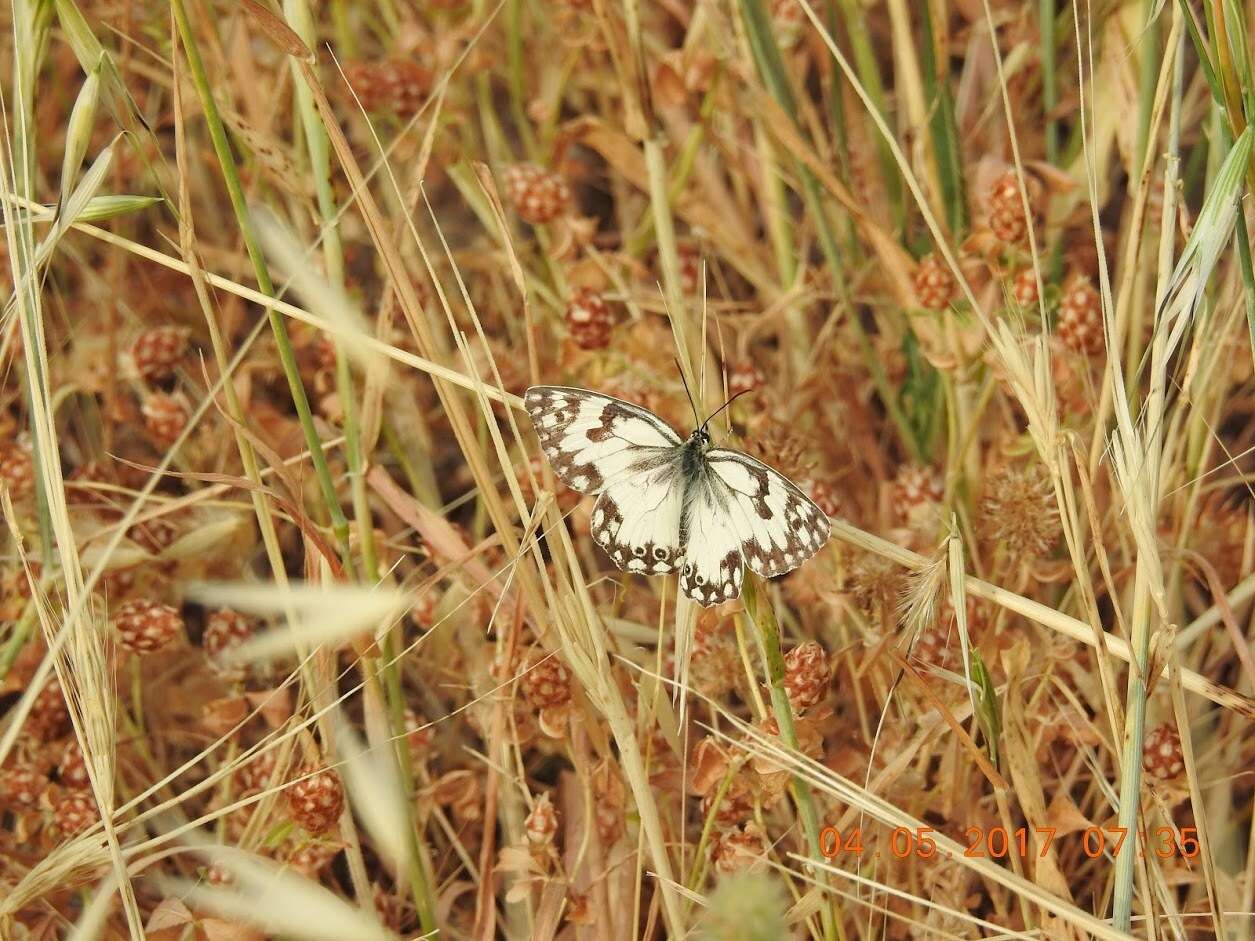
(393, 910)
(312, 857)
(72, 768)
(690, 259)
(609, 802)
(1006, 206)
(22, 787)
(1222, 537)
(589, 320)
(397, 85)
(914, 488)
(74, 813)
(49, 715)
(316, 800)
(734, 806)
(1018, 510)
(823, 495)
(165, 417)
(740, 850)
(546, 683)
(538, 195)
(541, 824)
(935, 286)
(784, 449)
(1080, 318)
(806, 675)
(258, 773)
(17, 468)
(225, 630)
(145, 627)
(462, 791)
(744, 377)
(157, 351)
(1162, 756)
(1024, 288)
(418, 733)
(714, 661)
(876, 584)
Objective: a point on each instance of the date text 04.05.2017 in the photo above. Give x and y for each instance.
(999, 843)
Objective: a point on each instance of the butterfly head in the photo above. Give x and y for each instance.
(700, 437)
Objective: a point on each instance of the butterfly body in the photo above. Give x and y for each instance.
(667, 504)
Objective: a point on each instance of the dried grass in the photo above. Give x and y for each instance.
(526, 742)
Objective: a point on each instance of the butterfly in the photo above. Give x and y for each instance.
(668, 504)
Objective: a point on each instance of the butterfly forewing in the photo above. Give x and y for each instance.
(592, 439)
(780, 526)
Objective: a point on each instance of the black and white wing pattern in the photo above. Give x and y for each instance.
(592, 439)
(599, 444)
(667, 505)
(712, 540)
(780, 526)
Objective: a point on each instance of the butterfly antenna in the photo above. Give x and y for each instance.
(725, 405)
(693, 405)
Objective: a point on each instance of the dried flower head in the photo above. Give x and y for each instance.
(1024, 287)
(156, 352)
(541, 825)
(22, 787)
(589, 320)
(740, 850)
(734, 805)
(546, 683)
(1080, 322)
(145, 627)
(74, 812)
(165, 417)
(876, 584)
(224, 631)
(783, 448)
(744, 377)
(316, 800)
(714, 661)
(72, 768)
(396, 85)
(49, 716)
(917, 490)
(1162, 756)
(312, 857)
(824, 496)
(935, 286)
(538, 195)
(258, 772)
(806, 675)
(1018, 511)
(17, 468)
(1006, 206)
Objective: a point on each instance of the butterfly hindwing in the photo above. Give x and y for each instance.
(780, 526)
(712, 570)
(637, 520)
(592, 439)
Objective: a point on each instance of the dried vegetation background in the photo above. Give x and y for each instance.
(299, 637)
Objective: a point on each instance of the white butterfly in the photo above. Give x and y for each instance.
(668, 504)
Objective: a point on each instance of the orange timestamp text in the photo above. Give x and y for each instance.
(999, 842)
